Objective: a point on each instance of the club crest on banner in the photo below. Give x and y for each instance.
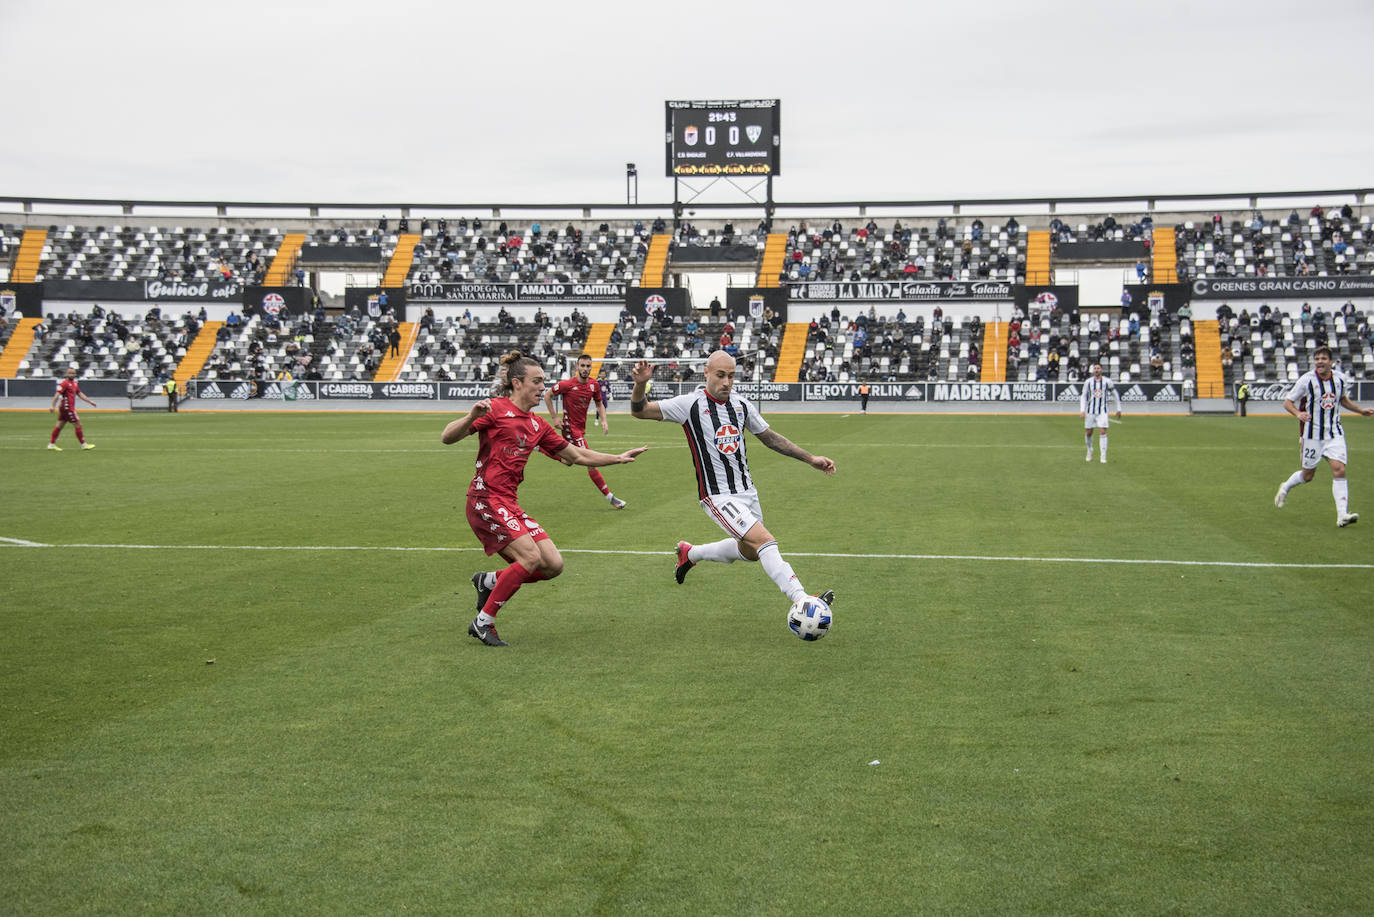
(273, 304)
(689, 135)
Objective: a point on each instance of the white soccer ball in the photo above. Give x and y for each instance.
(809, 618)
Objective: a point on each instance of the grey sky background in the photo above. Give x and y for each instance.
(535, 101)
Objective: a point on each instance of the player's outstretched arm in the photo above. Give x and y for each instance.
(461, 427)
(640, 406)
(1351, 405)
(784, 446)
(576, 455)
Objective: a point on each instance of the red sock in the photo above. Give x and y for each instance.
(598, 480)
(508, 582)
(79, 437)
(55, 430)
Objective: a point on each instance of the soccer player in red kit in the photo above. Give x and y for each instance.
(507, 435)
(577, 393)
(67, 392)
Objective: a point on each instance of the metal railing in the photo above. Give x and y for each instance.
(1250, 200)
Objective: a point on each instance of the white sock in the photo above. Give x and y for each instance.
(1293, 481)
(1088, 437)
(484, 619)
(1102, 446)
(1340, 489)
(489, 580)
(725, 551)
(780, 571)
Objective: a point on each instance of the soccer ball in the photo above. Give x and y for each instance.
(809, 618)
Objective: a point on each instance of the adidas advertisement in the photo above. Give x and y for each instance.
(209, 391)
(1071, 393)
(1166, 393)
(1134, 394)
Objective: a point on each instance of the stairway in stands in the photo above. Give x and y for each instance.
(390, 366)
(1211, 379)
(994, 350)
(1038, 267)
(17, 348)
(598, 339)
(30, 254)
(655, 262)
(1164, 260)
(279, 271)
(770, 266)
(399, 267)
(198, 353)
(792, 351)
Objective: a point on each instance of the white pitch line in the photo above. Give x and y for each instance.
(996, 558)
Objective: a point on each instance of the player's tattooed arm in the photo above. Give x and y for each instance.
(784, 446)
(781, 444)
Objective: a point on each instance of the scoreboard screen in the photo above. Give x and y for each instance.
(723, 138)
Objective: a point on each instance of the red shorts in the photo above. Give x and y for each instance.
(68, 415)
(497, 522)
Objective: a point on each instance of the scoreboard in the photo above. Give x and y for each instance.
(715, 138)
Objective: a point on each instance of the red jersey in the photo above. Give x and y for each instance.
(577, 396)
(68, 389)
(506, 437)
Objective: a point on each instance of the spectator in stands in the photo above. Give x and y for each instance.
(1139, 273)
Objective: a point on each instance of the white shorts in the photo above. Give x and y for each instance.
(736, 513)
(1096, 421)
(1314, 450)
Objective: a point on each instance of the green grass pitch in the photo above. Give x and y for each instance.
(236, 679)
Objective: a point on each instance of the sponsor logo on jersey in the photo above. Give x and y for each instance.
(727, 439)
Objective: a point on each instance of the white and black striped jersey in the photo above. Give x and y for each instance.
(1322, 398)
(1093, 399)
(715, 436)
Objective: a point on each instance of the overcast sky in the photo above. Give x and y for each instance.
(537, 101)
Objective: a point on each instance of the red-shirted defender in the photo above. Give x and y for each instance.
(577, 393)
(67, 392)
(507, 435)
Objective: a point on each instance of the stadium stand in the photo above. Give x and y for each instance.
(1319, 245)
(1047, 345)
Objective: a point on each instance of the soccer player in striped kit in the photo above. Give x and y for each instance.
(577, 394)
(1092, 407)
(1316, 400)
(714, 420)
